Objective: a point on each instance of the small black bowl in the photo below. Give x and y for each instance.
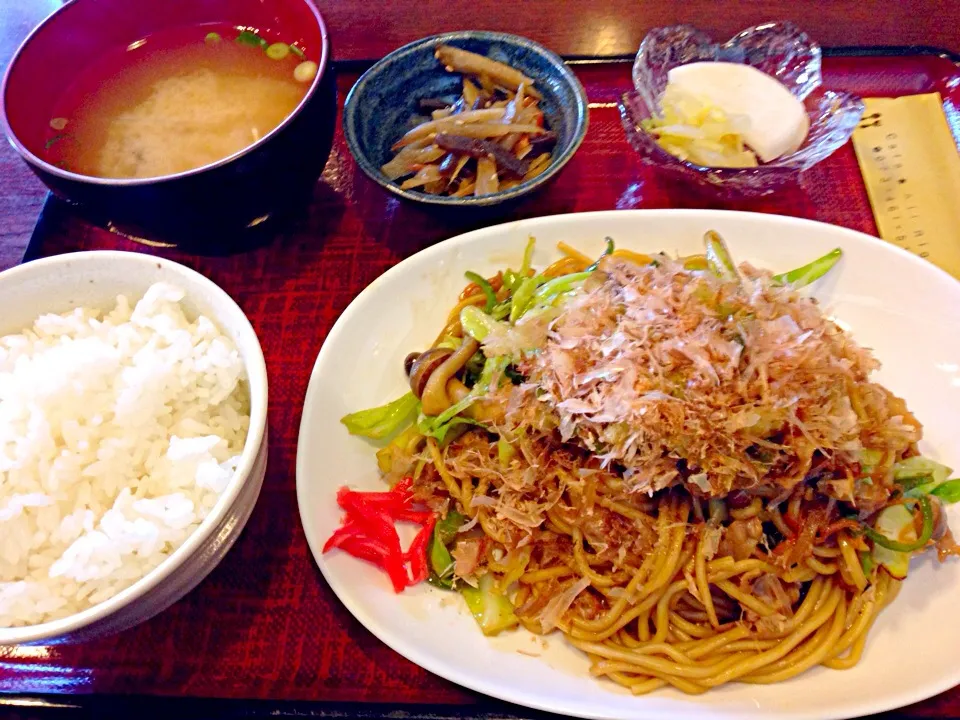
(383, 105)
(216, 207)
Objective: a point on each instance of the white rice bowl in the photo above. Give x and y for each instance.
(132, 415)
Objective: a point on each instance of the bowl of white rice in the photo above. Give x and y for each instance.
(133, 441)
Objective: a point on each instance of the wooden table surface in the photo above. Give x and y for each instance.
(367, 30)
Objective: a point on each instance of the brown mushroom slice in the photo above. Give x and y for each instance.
(408, 362)
(434, 399)
(422, 367)
(456, 390)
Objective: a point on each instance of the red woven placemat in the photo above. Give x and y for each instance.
(264, 624)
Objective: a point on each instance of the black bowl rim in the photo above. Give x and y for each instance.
(373, 172)
(40, 164)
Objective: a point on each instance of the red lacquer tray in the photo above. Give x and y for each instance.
(264, 628)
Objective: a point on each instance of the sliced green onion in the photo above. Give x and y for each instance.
(502, 310)
(559, 285)
(305, 71)
(298, 52)
(527, 256)
(718, 257)
(522, 297)
(810, 272)
(277, 51)
(212, 38)
(925, 533)
(485, 287)
(439, 426)
(436, 426)
(248, 37)
(54, 140)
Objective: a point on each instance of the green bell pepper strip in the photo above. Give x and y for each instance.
(948, 492)
(609, 251)
(485, 287)
(925, 533)
(811, 272)
(446, 529)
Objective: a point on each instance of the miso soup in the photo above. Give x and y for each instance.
(175, 101)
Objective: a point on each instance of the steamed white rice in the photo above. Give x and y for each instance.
(119, 430)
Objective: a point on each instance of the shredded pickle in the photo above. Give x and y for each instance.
(692, 129)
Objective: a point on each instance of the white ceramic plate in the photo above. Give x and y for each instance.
(907, 310)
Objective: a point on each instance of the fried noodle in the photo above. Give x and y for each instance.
(676, 480)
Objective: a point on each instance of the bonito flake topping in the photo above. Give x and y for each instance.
(680, 377)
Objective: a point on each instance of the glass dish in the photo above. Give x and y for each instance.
(778, 49)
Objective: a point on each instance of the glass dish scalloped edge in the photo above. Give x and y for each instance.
(778, 49)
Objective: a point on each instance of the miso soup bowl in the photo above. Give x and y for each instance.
(215, 205)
